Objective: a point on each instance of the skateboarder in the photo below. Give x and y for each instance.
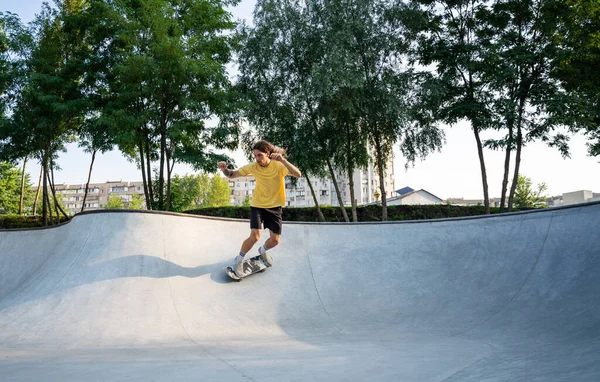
(269, 169)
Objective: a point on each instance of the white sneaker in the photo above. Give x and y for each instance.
(265, 257)
(239, 266)
(239, 269)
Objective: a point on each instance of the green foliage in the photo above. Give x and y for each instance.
(219, 193)
(137, 203)
(53, 209)
(323, 79)
(277, 61)
(197, 191)
(189, 191)
(578, 60)
(527, 197)
(44, 95)
(247, 200)
(160, 75)
(20, 222)
(114, 202)
(10, 189)
(530, 104)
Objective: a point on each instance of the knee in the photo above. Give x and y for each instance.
(254, 237)
(275, 240)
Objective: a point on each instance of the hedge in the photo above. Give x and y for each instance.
(16, 221)
(364, 213)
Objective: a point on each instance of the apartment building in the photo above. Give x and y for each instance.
(241, 188)
(98, 194)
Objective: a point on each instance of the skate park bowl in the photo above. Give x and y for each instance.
(144, 296)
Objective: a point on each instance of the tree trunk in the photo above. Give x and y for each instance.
(350, 169)
(37, 193)
(353, 201)
(142, 167)
(513, 186)
(50, 213)
(381, 171)
(163, 148)
(506, 167)
(45, 204)
(22, 187)
(486, 199)
(337, 191)
(312, 191)
(87, 185)
(149, 172)
(57, 206)
(169, 172)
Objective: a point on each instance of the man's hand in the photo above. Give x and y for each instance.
(223, 167)
(277, 156)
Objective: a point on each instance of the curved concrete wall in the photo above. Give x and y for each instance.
(502, 297)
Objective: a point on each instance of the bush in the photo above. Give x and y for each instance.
(16, 221)
(365, 213)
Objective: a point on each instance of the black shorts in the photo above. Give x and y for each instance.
(269, 217)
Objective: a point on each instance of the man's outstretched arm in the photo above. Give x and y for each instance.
(291, 168)
(227, 172)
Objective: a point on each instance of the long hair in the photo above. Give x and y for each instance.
(268, 148)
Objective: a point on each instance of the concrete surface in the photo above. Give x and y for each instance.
(143, 296)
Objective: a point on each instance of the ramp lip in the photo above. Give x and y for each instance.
(179, 214)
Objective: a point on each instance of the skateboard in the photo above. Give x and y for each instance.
(251, 266)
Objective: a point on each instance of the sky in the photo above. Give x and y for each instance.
(454, 172)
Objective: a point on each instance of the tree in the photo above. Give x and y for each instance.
(447, 37)
(219, 193)
(4, 70)
(165, 76)
(189, 192)
(578, 60)
(370, 43)
(520, 36)
(44, 95)
(114, 202)
(247, 200)
(137, 202)
(10, 188)
(279, 60)
(526, 197)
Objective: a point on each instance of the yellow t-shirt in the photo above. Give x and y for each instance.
(270, 185)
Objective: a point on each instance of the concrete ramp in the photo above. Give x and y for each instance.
(143, 296)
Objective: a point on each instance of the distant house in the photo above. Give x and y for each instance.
(408, 196)
(581, 196)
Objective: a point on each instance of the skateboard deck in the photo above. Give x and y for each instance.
(251, 266)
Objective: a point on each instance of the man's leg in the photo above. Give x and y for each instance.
(271, 243)
(246, 247)
(273, 221)
(251, 240)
